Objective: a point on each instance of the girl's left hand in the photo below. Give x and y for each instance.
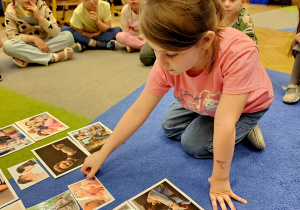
(220, 191)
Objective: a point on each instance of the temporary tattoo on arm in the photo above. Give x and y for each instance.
(221, 163)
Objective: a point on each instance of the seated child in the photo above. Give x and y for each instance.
(91, 25)
(237, 17)
(33, 34)
(130, 37)
(293, 89)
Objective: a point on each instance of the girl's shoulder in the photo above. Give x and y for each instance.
(10, 11)
(235, 40)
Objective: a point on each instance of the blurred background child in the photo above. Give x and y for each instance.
(130, 37)
(91, 25)
(237, 17)
(33, 34)
(292, 90)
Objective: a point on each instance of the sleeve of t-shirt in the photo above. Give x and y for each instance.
(76, 21)
(158, 83)
(242, 71)
(106, 12)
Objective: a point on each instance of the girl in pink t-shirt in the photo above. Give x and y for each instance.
(222, 90)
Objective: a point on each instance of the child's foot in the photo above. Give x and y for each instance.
(111, 45)
(20, 63)
(77, 47)
(292, 94)
(256, 138)
(129, 49)
(63, 55)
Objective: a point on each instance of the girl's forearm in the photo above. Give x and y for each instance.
(223, 144)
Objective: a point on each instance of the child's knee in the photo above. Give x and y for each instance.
(9, 46)
(194, 147)
(68, 37)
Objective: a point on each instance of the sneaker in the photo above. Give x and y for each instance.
(256, 138)
(77, 47)
(129, 49)
(292, 94)
(111, 45)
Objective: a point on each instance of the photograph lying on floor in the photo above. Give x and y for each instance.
(124, 206)
(41, 126)
(91, 194)
(92, 137)
(60, 157)
(63, 201)
(27, 173)
(163, 195)
(18, 205)
(12, 139)
(7, 193)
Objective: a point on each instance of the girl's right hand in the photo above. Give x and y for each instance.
(41, 44)
(92, 164)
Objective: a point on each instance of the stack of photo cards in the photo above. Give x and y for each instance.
(91, 194)
(91, 138)
(27, 173)
(41, 126)
(63, 201)
(18, 205)
(163, 195)
(60, 157)
(7, 193)
(12, 139)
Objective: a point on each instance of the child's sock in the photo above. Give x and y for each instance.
(106, 45)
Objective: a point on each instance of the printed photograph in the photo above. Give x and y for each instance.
(124, 206)
(7, 193)
(18, 205)
(27, 173)
(163, 195)
(41, 126)
(12, 139)
(91, 194)
(91, 137)
(63, 201)
(60, 157)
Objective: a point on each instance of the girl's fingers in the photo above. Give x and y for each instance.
(238, 198)
(229, 202)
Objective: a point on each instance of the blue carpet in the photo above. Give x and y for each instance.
(268, 179)
(287, 29)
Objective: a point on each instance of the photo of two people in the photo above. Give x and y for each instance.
(27, 173)
(60, 157)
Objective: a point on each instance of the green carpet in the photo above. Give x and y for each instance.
(15, 107)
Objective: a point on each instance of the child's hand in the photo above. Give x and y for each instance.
(220, 191)
(34, 9)
(41, 45)
(92, 164)
(94, 15)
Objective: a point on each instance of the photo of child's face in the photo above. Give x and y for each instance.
(90, 5)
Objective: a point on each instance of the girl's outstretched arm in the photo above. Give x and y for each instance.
(228, 113)
(135, 116)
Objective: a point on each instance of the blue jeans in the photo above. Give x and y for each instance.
(195, 131)
(110, 34)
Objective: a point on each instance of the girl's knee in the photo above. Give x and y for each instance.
(68, 37)
(9, 46)
(194, 148)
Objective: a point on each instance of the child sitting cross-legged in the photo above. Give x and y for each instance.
(91, 25)
(33, 34)
(130, 37)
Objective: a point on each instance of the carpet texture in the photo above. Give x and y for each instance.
(268, 179)
(286, 17)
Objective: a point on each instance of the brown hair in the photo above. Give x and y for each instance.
(177, 25)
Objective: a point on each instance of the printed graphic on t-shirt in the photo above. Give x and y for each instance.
(205, 103)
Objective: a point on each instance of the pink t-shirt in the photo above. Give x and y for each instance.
(237, 70)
